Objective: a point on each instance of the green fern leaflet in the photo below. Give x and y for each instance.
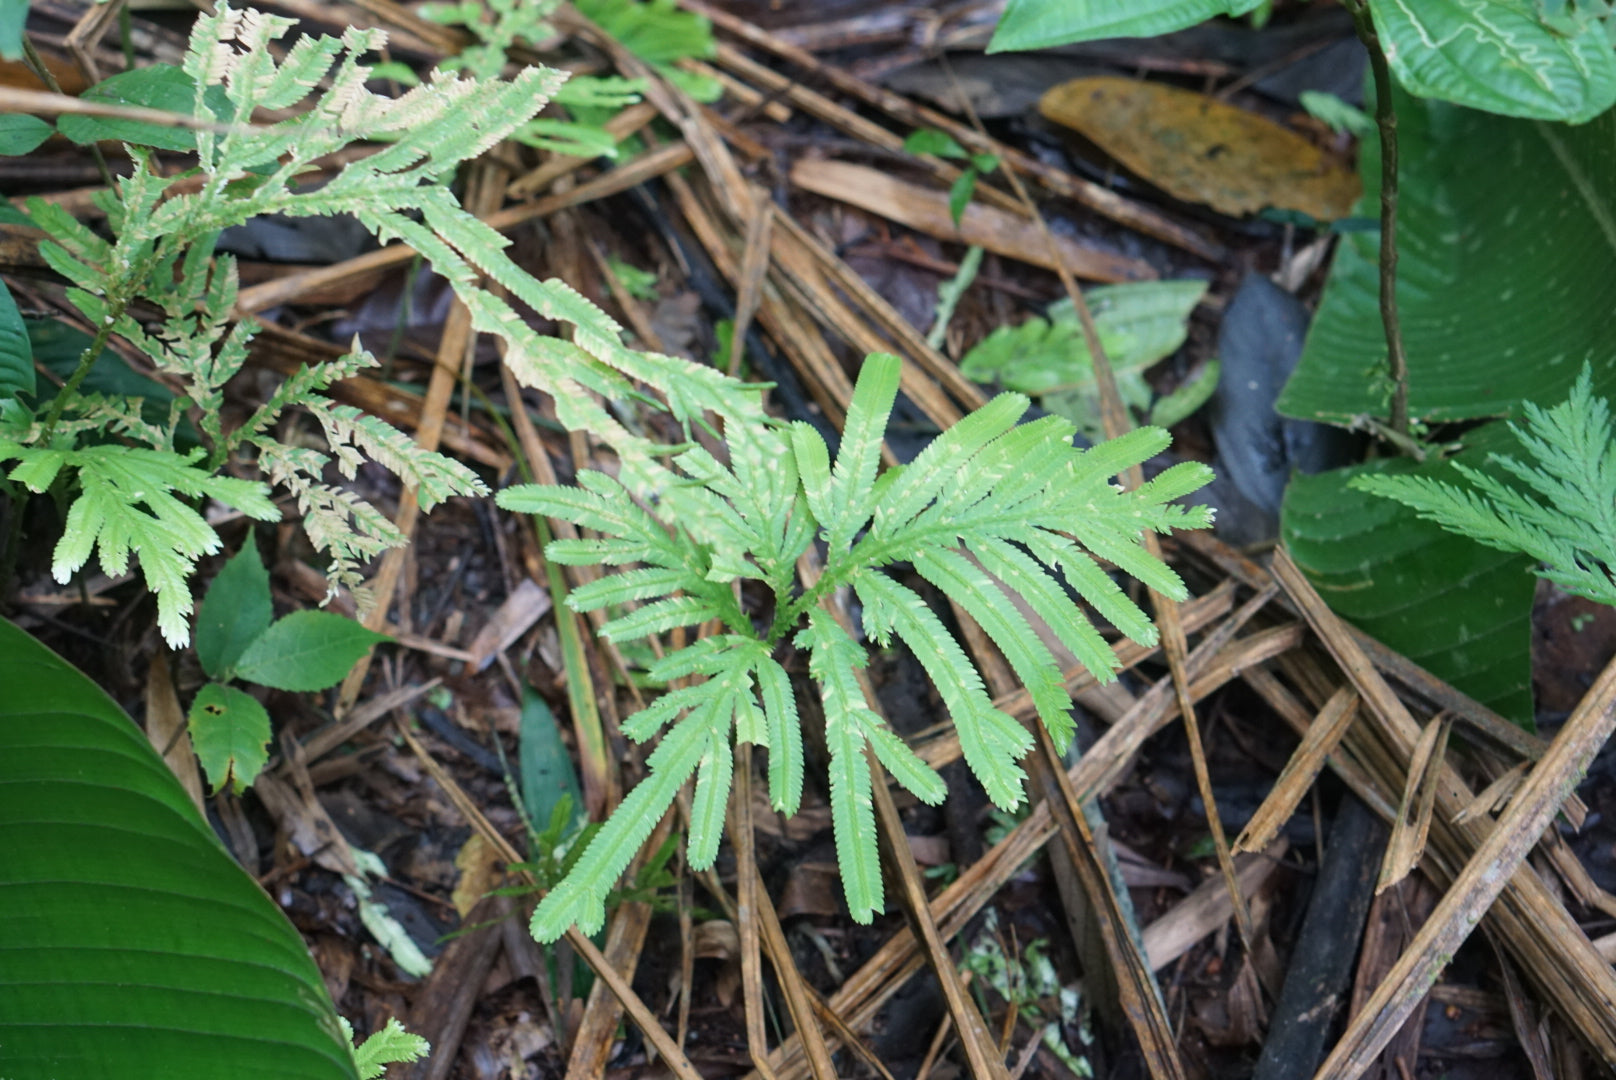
(991, 510)
(1563, 514)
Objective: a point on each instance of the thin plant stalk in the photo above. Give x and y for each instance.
(1386, 122)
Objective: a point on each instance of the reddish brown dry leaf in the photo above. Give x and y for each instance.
(1200, 150)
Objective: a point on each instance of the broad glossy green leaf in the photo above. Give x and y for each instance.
(1497, 55)
(154, 86)
(1043, 24)
(230, 731)
(135, 947)
(307, 650)
(1460, 610)
(16, 355)
(21, 133)
(1506, 271)
(236, 609)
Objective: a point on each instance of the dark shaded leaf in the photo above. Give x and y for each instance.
(135, 946)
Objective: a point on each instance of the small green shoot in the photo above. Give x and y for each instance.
(1561, 508)
(237, 639)
(941, 144)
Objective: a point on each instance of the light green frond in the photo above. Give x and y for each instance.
(853, 479)
(937, 465)
(1032, 582)
(852, 811)
(920, 779)
(1174, 482)
(1123, 548)
(991, 748)
(813, 467)
(785, 735)
(659, 617)
(961, 581)
(626, 587)
(1093, 584)
(708, 656)
(1116, 456)
(711, 798)
(648, 721)
(1560, 508)
(581, 898)
(433, 476)
(592, 552)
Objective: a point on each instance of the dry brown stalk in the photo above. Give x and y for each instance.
(1095, 197)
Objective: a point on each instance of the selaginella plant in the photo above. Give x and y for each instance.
(1560, 508)
(135, 485)
(990, 512)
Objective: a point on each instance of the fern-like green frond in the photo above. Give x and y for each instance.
(785, 735)
(699, 743)
(581, 898)
(713, 777)
(1569, 527)
(131, 502)
(983, 600)
(833, 660)
(991, 740)
(852, 481)
(987, 513)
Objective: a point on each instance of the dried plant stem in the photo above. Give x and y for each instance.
(1386, 121)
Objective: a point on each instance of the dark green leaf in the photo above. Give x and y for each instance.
(155, 86)
(959, 195)
(230, 731)
(928, 141)
(16, 355)
(135, 947)
(236, 610)
(1461, 610)
(1498, 57)
(1506, 271)
(548, 775)
(21, 133)
(307, 650)
(1043, 24)
(58, 346)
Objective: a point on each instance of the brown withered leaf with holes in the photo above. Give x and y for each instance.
(1201, 150)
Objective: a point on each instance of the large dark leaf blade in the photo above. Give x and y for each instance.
(1506, 271)
(1500, 57)
(1453, 606)
(133, 945)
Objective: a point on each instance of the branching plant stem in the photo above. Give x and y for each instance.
(1386, 121)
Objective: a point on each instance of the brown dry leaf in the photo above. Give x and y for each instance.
(479, 866)
(1201, 150)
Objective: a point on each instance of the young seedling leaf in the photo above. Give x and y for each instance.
(389, 1045)
(307, 650)
(153, 86)
(230, 731)
(235, 611)
(22, 134)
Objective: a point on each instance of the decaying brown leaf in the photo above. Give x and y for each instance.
(1200, 150)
